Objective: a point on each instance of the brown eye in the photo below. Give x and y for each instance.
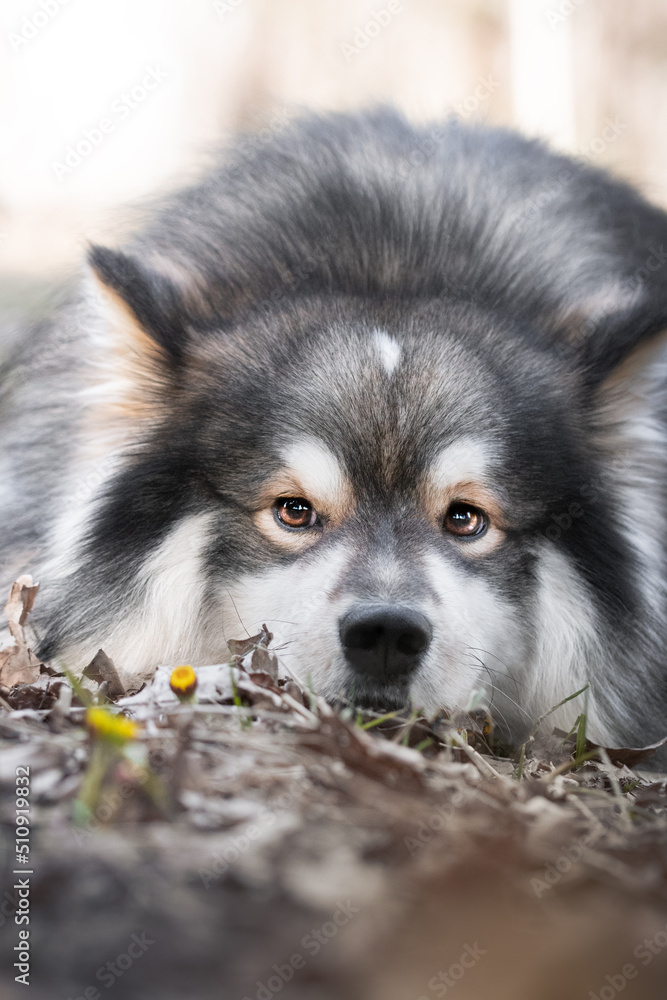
(294, 512)
(465, 521)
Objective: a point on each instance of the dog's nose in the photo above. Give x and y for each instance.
(384, 641)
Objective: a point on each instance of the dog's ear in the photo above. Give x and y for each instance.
(145, 308)
(140, 340)
(608, 328)
(608, 287)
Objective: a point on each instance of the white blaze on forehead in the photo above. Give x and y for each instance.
(317, 470)
(389, 349)
(463, 461)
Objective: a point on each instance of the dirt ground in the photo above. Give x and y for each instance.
(247, 841)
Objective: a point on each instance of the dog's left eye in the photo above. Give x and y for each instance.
(294, 512)
(465, 521)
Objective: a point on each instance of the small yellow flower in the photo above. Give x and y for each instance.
(112, 728)
(183, 682)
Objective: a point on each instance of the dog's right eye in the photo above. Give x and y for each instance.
(463, 520)
(294, 512)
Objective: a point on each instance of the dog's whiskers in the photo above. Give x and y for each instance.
(498, 691)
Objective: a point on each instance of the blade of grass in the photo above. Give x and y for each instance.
(424, 744)
(84, 696)
(546, 715)
(580, 745)
(381, 718)
(246, 721)
(405, 738)
(568, 765)
(522, 759)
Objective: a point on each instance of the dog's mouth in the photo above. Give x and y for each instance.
(371, 696)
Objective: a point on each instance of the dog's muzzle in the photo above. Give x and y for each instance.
(384, 642)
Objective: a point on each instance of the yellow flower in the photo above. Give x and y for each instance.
(183, 682)
(112, 728)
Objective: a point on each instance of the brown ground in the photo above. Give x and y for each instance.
(259, 845)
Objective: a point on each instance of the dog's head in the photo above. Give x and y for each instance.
(412, 496)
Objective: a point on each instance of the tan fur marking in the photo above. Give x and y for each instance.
(458, 475)
(133, 359)
(437, 502)
(333, 503)
(122, 387)
(479, 495)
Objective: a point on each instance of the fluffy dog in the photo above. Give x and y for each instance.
(397, 392)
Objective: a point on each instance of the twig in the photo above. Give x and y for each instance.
(476, 758)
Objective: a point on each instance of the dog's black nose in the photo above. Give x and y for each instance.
(384, 641)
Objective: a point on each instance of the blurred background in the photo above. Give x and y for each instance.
(105, 102)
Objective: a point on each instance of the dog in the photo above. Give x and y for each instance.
(397, 392)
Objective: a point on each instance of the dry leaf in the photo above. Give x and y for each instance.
(239, 647)
(101, 669)
(620, 756)
(262, 661)
(18, 663)
(631, 756)
(41, 695)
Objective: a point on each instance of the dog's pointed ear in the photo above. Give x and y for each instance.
(610, 326)
(609, 297)
(145, 308)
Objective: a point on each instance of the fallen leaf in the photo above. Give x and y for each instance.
(620, 756)
(20, 603)
(631, 756)
(239, 647)
(18, 663)
(101, 669)
(41, 695)
(264, 662)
